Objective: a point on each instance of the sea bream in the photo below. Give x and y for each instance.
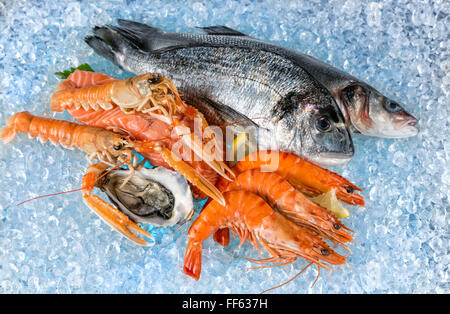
(240, 77)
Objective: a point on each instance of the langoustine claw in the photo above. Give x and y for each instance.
(111, 215)
(156, 196)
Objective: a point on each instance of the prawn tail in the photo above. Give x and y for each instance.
(7, 135)
(59, 132)
(193, 259)
(56, 101)
(18, 123)
(83, 89)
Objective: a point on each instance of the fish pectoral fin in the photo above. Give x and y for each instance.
(216, 113)
(221, 30)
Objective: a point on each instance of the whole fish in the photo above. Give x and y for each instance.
(243, 78)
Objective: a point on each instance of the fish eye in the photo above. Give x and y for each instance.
(323, 124)
(392, 106)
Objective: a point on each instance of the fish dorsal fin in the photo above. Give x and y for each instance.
(145, 37)
(138, 28)
(221, 30)
(109, 40)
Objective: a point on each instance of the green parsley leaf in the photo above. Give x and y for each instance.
(65, 74)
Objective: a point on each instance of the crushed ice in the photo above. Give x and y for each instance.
(402, 237)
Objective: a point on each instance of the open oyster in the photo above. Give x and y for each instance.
(156, 196)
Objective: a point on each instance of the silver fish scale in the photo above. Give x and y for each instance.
(236, 41)
(252, 87)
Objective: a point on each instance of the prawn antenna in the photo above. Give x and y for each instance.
(53, 194)
(35, 198)
(289, 279)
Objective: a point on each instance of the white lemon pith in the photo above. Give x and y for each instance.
(329, 201)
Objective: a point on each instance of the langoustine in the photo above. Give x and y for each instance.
(129, 107)
(109, 148)
(98, 143)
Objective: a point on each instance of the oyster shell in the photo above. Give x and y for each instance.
(156, 196)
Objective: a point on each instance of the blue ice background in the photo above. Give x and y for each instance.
(57, 245)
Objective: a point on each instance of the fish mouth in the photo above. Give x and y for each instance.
(405, 126)
(339, 153)
(332, 158)
(409, 121)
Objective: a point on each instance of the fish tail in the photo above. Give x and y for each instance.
(101, 47)
(113, 41)
(138, 29)
(19, 123)
(110, 43)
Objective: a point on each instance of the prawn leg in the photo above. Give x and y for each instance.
(222, 236)
(112, 216)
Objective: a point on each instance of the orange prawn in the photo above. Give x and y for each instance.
(280, 194)
(305, 176)
(250, 217)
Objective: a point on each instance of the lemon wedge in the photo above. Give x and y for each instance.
(329, 201)
(242, 146)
